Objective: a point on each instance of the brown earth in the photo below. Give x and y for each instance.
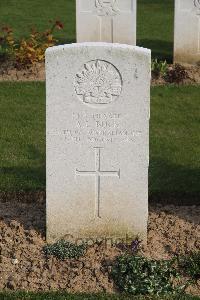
(9, 73)
(37, 73)
(23, 265)
(193, 76)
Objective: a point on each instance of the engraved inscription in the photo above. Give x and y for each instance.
(101, 128)
(98, 173)
(106, 8)
(99, 82)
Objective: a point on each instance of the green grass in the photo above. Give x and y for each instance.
(175, 143)
(174, 140)
(22, 135)
(155, 25)
(154, 21)
(22, 15)
(65, 296)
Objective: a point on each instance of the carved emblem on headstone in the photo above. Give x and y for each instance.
(106, 8)
(99, 82)
(197, 6)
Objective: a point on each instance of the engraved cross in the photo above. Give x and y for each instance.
(98, 173)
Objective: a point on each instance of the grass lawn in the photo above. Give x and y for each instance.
(175, 143)
(174, 140)
(64, 296)
(22, 134)
(154, 21)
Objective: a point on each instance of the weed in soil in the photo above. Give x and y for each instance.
(63, 250)
(139, 276)
(158, 68)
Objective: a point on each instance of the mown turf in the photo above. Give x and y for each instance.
(65, 296)
(174, 140)
(23, 15)
(155, 27)
(154, 21)
(22, 135)
(175, 144)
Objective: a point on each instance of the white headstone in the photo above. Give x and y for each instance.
(98, 98)
(187, 31)
(112, 21)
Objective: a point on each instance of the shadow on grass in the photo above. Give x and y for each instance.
(168, 183)
(162, 50)
(173, 184)
(63, 41)
(30, 176)
(24, 178)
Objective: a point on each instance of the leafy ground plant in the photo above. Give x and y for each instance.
(191, 265)
(158, 68)
(139, 276)
(64, 249)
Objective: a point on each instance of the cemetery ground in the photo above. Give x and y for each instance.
(174, 188)
(174, 192)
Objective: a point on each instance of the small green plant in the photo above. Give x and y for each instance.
(191, 265)
(176, 74)
(139, 276)
(64, 249)
(158, 68)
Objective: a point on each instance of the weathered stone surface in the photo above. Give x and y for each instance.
(187, 31)
(111, 21)
(98, 98)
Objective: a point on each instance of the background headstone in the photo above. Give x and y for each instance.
(187, 31)
(112, 21)
(98, 98)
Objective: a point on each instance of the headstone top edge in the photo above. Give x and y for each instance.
(98, 44)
